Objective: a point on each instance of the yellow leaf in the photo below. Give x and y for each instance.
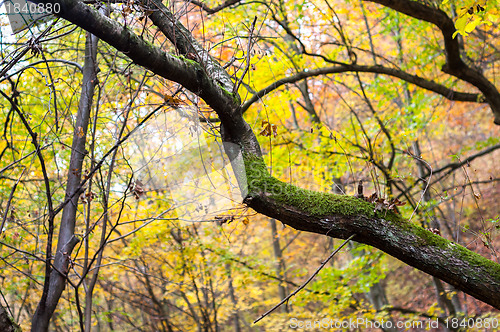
(472, 24)
(461, 23)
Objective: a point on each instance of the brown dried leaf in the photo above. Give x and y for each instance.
(373, 197)
(268, 129)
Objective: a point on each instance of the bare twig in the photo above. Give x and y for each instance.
(225, 4)
(426, 185)
(249, 49)
(22, 158)
(308, 280)
(11, 196)
(27, 47)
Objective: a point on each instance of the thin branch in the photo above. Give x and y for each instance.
(48, 194)
(265, 274)
(452, 167)
(467, 160)
(308, 280)
(22, 158)
(11, 196)
(101, 162)
(32, 65)
(28, 46)
(249, 49)
(419, 159)
(225, 4)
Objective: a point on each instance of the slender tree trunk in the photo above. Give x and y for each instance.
(457, 304)
(234, 300)
(67, 240)
(377, 296)
(90, 287)
(443, 300)
(280, 264)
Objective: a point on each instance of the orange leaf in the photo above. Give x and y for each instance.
(172, 101)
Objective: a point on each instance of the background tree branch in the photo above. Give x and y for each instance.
(348, 68)
(454, 64)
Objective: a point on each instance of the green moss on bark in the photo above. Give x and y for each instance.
(315, 203)
(429, 239)
(187, 61)
(477, 261)
(234, 96)
(323, 204)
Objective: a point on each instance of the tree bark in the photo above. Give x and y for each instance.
(91, 52)
(342, 216)
(6, 322)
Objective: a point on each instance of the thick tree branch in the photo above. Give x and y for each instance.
(178, 69)
(414, 79)
(340, 216)
(185, 43)
(454, 64)
(190, 74)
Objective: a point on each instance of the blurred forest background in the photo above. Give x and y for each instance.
(145, 263)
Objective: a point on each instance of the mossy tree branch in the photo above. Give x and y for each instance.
(340, 216)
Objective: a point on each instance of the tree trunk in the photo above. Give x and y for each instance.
(232, 294)
(66, 241)
(280, 265)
